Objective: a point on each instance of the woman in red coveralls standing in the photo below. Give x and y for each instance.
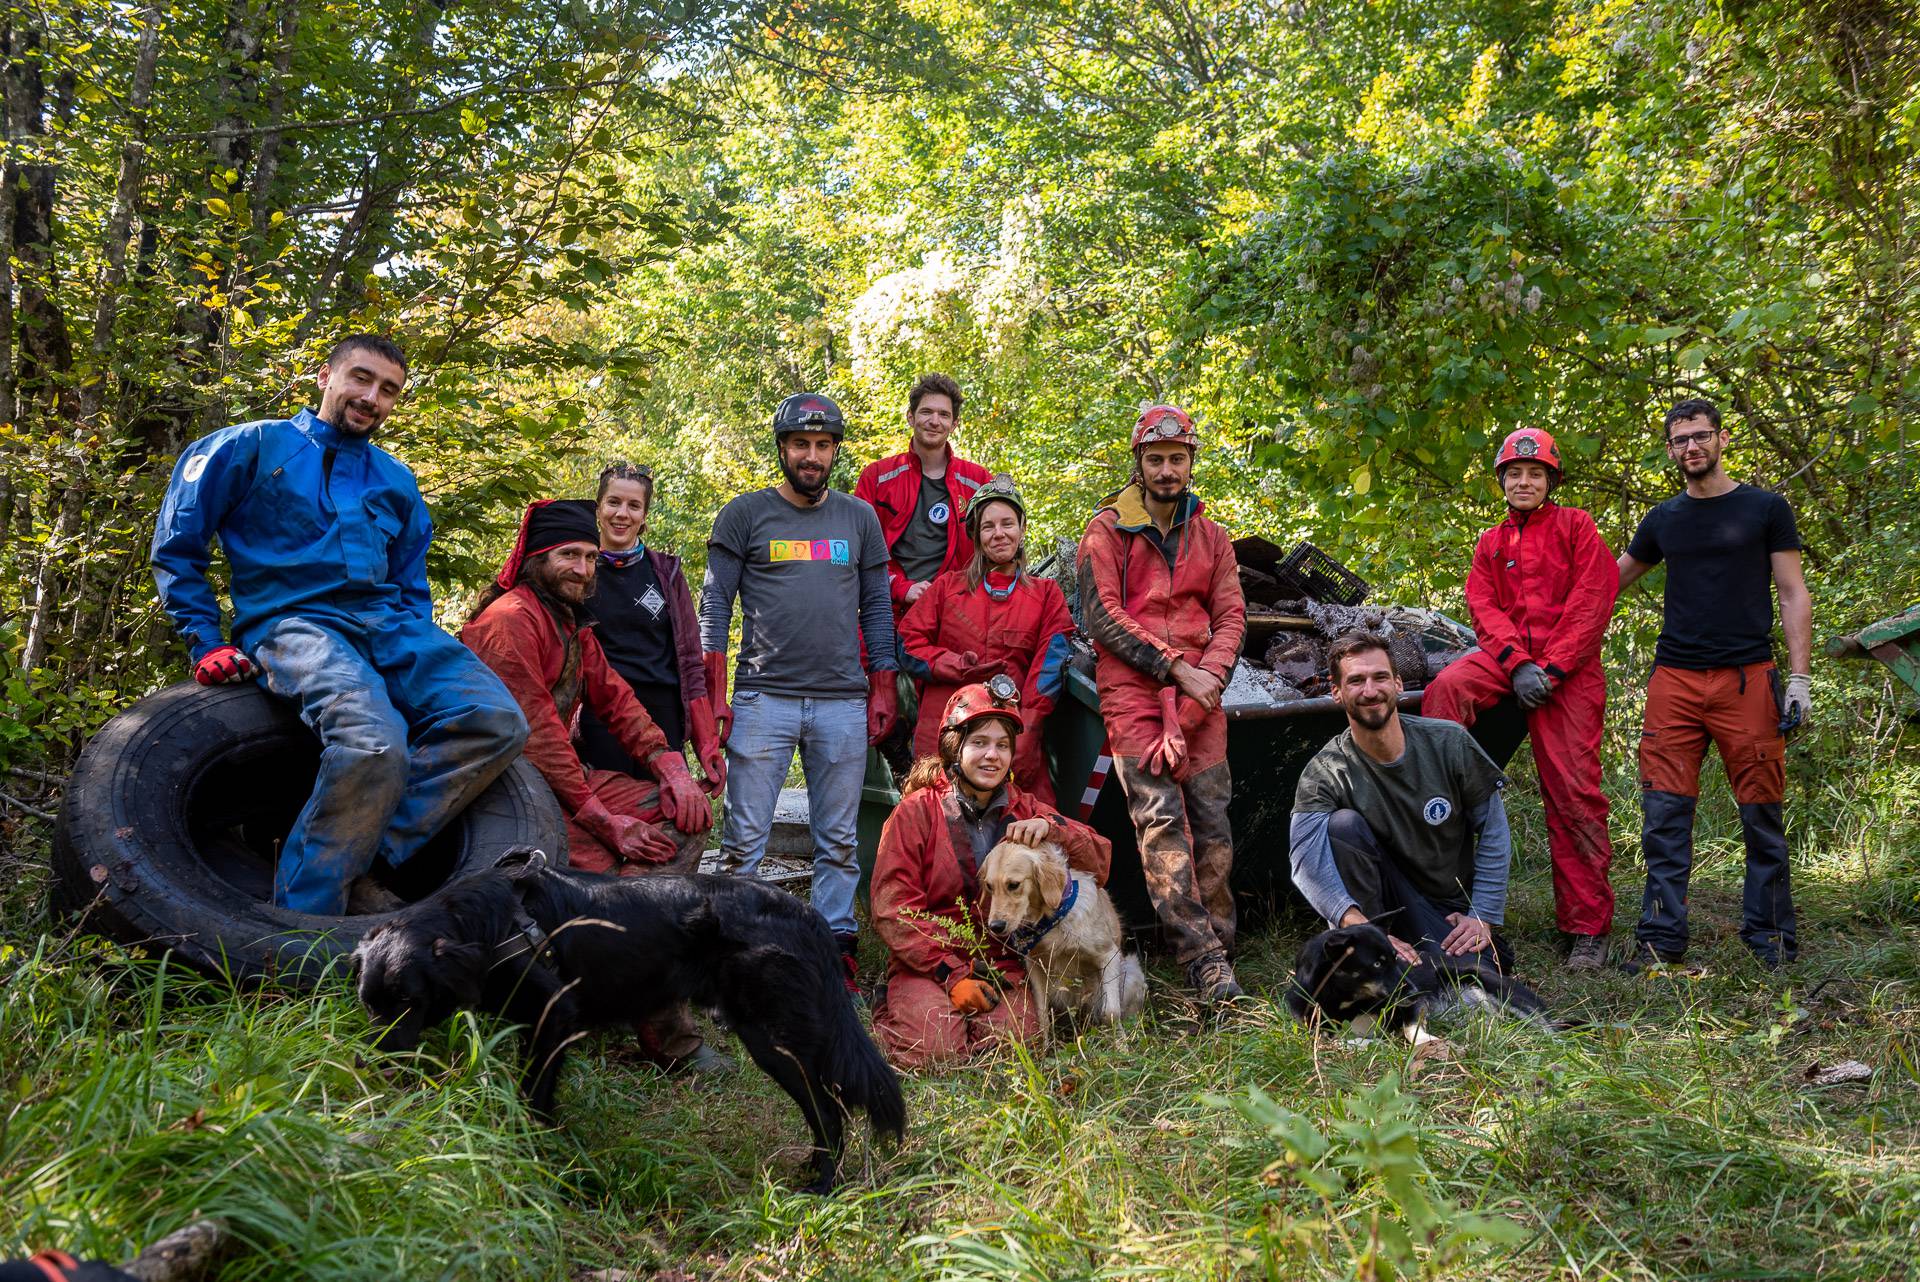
(953, 989)
(987, 619)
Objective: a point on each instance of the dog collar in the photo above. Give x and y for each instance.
(528, 940)
(1027, 938)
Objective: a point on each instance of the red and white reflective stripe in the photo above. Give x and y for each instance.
(1102, 766)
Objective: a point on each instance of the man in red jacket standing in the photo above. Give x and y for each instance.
(1541, 590)
(1160, 594)
(922, 495)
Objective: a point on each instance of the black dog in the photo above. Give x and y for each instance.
(1352, 971)
(567, 952)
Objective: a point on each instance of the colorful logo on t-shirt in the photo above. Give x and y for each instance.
(937, 514)
(1436, 810)
(836, 551)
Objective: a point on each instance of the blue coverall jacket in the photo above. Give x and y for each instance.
(350, 548)
(327, 536)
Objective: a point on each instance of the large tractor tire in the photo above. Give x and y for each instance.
(175, 814)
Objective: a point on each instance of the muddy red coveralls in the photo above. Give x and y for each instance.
(1541, 590)
(1024, 625)
(930, 909)
(549, 668)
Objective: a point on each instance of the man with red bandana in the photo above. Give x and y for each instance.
(1160, 595)
(530, 630)
(1541, 590)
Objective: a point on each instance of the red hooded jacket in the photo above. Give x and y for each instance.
(923, 895)
(1028, 629)
(892, 486)
(1147, 602)
(1541, 590)
(549, 666)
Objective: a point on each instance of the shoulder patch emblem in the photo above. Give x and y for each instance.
(1436, 811)
(195, 466)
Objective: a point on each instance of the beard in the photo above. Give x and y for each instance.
(1371, 716)
(1167, 491)
(807, 487)
(1699, 467)
(565, 592)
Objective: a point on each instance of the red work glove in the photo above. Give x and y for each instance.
(716, 665)
(971, 995)
(1169, 751)
(707, 746)
(680, 797)
(223, 666)
(883, 705)
(631, 840)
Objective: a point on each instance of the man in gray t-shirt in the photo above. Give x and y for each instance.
(1398, 821)
(809, 565)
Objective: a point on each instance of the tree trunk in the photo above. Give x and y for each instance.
(133, 160)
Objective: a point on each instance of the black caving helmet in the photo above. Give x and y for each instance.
(809, 412)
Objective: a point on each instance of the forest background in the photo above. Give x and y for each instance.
(1360, 239)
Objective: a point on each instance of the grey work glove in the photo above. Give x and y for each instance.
(1797, 705)
(1531, 686)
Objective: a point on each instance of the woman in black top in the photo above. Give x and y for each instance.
(643, 614)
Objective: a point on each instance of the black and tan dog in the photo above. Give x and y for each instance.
(565, 952)
(1351, 973)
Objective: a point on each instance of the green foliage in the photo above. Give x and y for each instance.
(1371, 1173)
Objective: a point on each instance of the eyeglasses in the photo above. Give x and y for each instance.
(1690, 439)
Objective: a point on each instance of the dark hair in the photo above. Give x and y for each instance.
(380, 346)
(928, 384)
(621, 470)
(1692, 407)
(1348, 644)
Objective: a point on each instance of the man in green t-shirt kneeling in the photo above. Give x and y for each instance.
(1398, 820)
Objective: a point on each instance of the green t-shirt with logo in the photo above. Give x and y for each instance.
(1420, 807)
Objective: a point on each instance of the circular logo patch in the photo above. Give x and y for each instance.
(195, 466)
(1436, 810)
(937, 514)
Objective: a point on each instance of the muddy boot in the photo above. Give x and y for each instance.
(1587, 952)
(1645, 957)
(704, 1062)
(368, 898)
(1211, 979)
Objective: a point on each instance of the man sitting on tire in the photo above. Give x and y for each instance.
(529, 630)
(326, 536)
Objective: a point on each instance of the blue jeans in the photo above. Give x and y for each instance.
(831, 735)
(412, 728)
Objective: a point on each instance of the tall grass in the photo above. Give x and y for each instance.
(1672, 1135)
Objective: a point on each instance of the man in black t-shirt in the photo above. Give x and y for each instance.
(1725, 544)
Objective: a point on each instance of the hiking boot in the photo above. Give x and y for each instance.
(1646, 957)
(705, 1062)
(1212, 978)
(1587, 952)
(368, 898)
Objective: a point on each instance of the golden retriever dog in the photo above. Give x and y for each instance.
(1073, 958)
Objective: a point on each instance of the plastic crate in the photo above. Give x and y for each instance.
(1318, 577)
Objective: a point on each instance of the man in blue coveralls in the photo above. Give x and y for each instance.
(327, 538)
